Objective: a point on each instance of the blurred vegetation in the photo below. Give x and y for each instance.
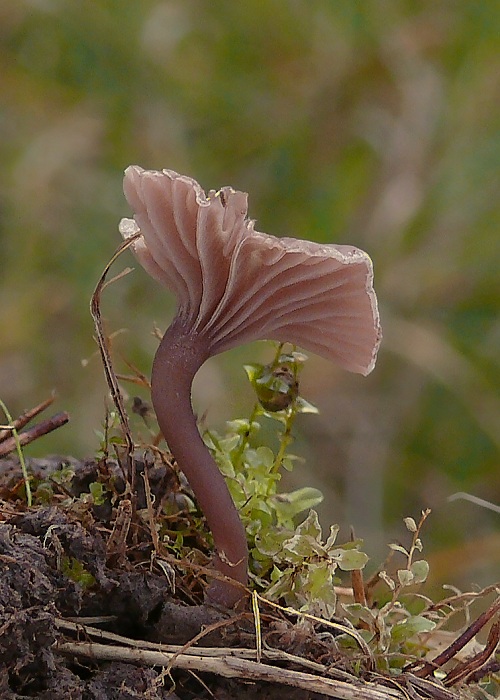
(369, 123)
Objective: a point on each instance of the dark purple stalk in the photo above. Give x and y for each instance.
(179, 356)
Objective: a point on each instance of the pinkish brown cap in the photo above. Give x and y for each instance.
(234, 284)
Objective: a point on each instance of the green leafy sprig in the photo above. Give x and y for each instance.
(288, 559)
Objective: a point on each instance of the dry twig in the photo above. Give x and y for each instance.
(26, 417)
(43, 428)
(427, 668)
(230, 666)
(109, 371)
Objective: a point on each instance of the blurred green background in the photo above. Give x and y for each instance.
(370, 123)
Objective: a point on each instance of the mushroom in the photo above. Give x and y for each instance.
(234, 285)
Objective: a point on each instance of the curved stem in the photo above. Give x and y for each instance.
(179, 356)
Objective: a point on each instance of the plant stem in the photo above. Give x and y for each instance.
(245, 438)
(179, 356)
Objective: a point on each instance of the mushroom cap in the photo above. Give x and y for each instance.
(234, 284)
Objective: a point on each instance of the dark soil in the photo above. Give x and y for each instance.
(56, 563)
(73, 574)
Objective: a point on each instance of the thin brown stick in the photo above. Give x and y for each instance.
(26, 417)
(151, 516)
(43, 428)
(427, 688)
(492, 667)
(109, 372)
(466, 598)
(467, 668)
(140, 377)
(427, 668)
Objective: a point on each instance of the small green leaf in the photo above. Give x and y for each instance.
(332, 537)
(351, 559)
(74, 569)
(304, 406)
(242, 426)
(253, 371)
(288, 462)
(227, 444)
(265, 456)
(116, 440)
(359, 612)
(398, 548)
(310, 527)
(420, 570)
(410, 524)
(98, 492)
(288, 505)
(406, 578)
(63, 475)
(411, 626)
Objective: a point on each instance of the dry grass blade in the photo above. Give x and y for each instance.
(109, 372)
(17, 444)
(466, 598)
(258, 627)
(150, 513)
(481, 502)
(117, 542)
(26, 417)
(138, 377)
